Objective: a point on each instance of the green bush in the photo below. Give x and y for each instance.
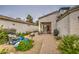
(23, 34)
(3, 36)
(25, 45)
(69, 44)
(20, 34)
(27, 33)
(58, 38)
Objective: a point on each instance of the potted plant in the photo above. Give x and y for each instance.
(56, 32)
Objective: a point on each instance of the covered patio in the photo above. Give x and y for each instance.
(45, 27)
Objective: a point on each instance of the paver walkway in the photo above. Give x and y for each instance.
(49, 45)
(43, 44)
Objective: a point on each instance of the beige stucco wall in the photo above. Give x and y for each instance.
(51, 18)
(20, 27)
(63, 26)
(69, 24)
(74, 23)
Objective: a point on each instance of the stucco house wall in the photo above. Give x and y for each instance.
(63, 26)
(74, 23)
(69, 24)
(50, 18)
(20, 27)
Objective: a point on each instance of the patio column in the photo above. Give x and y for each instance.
(39, 27)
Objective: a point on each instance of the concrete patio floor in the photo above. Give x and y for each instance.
(43, 44)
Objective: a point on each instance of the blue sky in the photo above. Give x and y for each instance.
(22, 11)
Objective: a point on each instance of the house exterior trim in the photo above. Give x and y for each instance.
(48, 14)
(68, 12)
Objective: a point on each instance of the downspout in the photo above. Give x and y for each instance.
(68, 24)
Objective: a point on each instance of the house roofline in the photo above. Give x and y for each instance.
(48, 14)
(71, 10)
(13, 20)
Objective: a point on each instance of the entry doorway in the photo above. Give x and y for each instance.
(46, 27)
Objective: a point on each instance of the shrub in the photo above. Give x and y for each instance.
(69, 44)
(25, 45)
(56, 32)
(20, 34)
(3, 36)
(27, 33)
(31, 41)
(58, 37)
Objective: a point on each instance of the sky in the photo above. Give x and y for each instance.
(21, 11)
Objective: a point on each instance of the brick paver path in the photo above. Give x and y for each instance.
(43, 44)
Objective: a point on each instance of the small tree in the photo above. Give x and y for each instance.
(29, 18)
